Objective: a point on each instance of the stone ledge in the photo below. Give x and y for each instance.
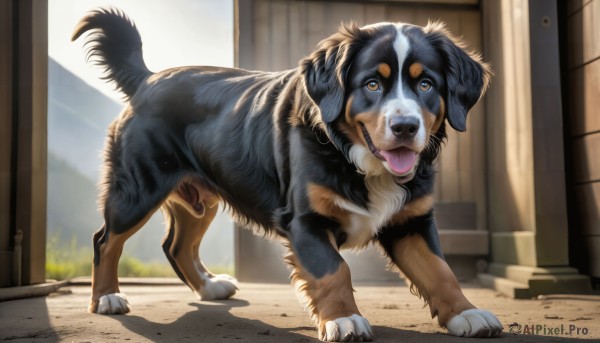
(522, 282)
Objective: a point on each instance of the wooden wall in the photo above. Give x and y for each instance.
(6, 28)
(583, 120)
(23, 146)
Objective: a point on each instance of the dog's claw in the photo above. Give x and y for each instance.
(218, 287)
(348, 329)
(114, 303)
(475, 323)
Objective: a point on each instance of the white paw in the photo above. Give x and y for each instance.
(475, 323)
(218, 287)
(115, 303)
(348, 329)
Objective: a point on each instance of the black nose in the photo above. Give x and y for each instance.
(404, 127)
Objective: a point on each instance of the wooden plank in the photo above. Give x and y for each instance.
(32, 137)
(473, 182)
(315, 24)
(374, 13)
(244, 34)
(449, 16)
(6, 113)
(508, 112)
(584, 102)
(547, 133)
(279, 44)
(262, 57)
(587, 158)
(346, 13)
(465, 242)
(298, 42)
(434, 2)
(587, 208)
(584, 35)
(401, 14)
(259, 259)
(456, 215)
(576, 5)
(592, 250)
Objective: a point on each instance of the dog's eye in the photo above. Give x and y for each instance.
(373, 86)
(424, 85)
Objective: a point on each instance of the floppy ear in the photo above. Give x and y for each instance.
(467, 78)
(325, 70)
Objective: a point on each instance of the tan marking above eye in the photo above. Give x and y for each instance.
(415, 70)
(385, 70)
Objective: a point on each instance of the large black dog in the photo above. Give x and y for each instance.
(334, 154)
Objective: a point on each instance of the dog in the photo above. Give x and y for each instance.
(335, 154)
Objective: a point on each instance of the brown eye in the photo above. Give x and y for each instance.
(424, 86)
(373, 86)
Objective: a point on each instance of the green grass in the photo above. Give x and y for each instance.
(65, 260)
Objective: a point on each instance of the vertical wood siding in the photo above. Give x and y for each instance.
(583, 37)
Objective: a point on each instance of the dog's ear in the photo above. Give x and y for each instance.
(326, 68)
(467, 77)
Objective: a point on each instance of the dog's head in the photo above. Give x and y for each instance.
(383, 93)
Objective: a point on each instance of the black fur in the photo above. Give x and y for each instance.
(255, 139)
(465, 78)
(117, 46)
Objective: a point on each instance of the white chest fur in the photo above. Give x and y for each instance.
(385, 199)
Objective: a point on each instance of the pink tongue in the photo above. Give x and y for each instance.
(401, 160)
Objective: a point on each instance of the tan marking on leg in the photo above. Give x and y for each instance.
(384, 70)
(432, 278)
(415, 70)
(415, 208)
(105, 279)
(323, 201)
(327, 298)
(189, 231)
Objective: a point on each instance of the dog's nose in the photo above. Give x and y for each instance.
(404, 127)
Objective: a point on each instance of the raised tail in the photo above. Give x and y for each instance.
(114, 43)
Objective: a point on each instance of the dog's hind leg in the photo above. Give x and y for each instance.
(187, 223)
(108, 246)
(130, 194)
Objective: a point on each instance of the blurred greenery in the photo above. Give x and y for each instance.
(65, 260)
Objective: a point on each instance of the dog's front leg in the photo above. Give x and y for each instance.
(322, 281)
(414, 247)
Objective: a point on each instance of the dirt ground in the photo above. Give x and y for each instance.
(271, 313)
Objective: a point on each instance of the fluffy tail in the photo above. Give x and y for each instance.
(114, 43)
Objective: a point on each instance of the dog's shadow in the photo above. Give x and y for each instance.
(214, 322)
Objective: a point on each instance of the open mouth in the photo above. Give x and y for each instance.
(400, 160)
